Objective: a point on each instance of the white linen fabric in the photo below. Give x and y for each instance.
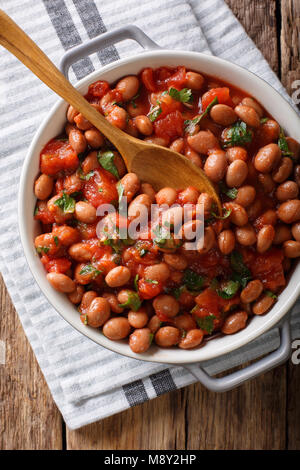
(88, 382)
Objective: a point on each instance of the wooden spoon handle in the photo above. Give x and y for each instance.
(18, 43)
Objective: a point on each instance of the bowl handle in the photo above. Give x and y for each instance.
(235, 379)
(103, 41)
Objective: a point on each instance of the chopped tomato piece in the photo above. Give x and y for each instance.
(221, 93)
(211, 264)
(148, 290)
(99, 88)
(178, 78)
(101, 188)
(57, 265)
(148, 79)
(43, 214)
(66, 235)
(56, 156)
(87, 231)
(170, 126)
(267, 267)
(209, 303)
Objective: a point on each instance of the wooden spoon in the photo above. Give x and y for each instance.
(157, 165)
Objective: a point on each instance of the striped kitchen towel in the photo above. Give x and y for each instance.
(88, 382)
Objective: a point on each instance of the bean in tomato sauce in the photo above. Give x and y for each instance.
(152, 288)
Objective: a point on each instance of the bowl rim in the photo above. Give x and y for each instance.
(184, 356)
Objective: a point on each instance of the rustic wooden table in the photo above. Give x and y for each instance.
(262, 414)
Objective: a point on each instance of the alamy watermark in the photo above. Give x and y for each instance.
(166, 226)
(295, 358)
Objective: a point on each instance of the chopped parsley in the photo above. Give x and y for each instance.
(151, 336)
(192, 280)
(143, 252)
(133, 302)
(226, 214)
(42, 249)
(206, 323)
(190, 124)
(132, 101)
(228, 289)
(151, 281)
(271, 294)
(283, 145)
(116, 245)
(56, 241)
(184, 96)
(154, 113)
(238, 135)
(264, 120)
(160, 236)
(106, 160)
(135, 282)
(66, 203)
(241, 273)
(86, 177)
(90, 269)
(229, 192)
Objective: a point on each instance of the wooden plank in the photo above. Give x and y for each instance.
(250, 417)
(290, 46)
(158, 425)
(290, 65)
(259, 20)
(29, 418)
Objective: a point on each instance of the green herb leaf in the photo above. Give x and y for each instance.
(56, 240)
(106, 160)
(238, 135)
(115, 244)
(143, 252)
(42, 249)
(86, 177)
(154, 113)
(151, 281)
(271, 294)
(151, 336)
(227, 213)
(133, 303)
(184, 96)
(90, 269)
(241, 273)
(176, 292)
(36, 210)
(135, 282)
(206, 323)
(264, 120)
(229, 192)
(283, 145)
(192, 280)
(66, 203)
(191, 123)
(132, 101)
(160, 236)
(228, 289)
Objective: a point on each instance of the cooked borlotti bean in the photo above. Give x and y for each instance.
(188, 270)
(252, 291)
(140, 340)
(234, 323)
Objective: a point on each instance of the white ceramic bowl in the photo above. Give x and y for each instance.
(274, 103)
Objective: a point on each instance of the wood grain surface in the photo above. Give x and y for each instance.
(262, 414)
